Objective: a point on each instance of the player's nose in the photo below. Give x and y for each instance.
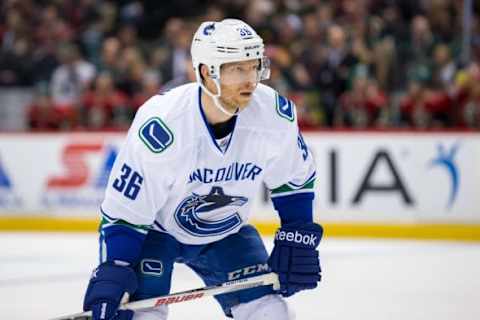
(250, 84)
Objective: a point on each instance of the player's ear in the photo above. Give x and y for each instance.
(204, 74)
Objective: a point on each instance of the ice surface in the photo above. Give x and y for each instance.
(45, 275)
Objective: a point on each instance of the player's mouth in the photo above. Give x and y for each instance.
(246, 94)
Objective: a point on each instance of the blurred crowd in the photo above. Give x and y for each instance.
(345, 63)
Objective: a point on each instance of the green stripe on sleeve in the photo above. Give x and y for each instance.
(105, 223)
(287, 188)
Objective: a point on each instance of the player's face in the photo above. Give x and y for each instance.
(238, 81)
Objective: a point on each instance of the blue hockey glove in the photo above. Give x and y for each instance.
(108, 284)
(295, 257)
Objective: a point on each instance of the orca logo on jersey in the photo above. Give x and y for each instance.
(156, 135)
(285, 107)
(216, 204)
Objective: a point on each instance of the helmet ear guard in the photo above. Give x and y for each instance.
(215, 77)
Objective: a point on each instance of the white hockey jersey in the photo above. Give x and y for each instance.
(172, 175)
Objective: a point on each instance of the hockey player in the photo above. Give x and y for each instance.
(183, 183)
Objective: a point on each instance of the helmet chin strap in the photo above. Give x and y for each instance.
(216, 100)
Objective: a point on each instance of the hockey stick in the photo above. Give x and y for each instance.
(189, 295)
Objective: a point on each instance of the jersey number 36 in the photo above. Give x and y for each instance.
(129, 182)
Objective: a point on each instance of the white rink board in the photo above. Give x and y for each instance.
(406, 177)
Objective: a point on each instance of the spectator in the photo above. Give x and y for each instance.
(104, 106)
(71, 77)
(157, 57)
(444, 68)
(412, 107)
(187, 76)
(332, 75)
(16, 64)
(466, 95)
(408, 50)
(420, 49)
(129, 69)
(150, 87)
(362, 106)
(308, 117)
(53, 27)
(471, 110)
(110, 55)
(44, 114)
(425, 108)
(15, 28)
(178, 35)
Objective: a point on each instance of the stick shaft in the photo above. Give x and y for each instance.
(189, 295)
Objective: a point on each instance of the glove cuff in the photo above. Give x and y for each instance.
(109, 282)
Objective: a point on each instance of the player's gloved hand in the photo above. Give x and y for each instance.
(295, 257)
(108, 284)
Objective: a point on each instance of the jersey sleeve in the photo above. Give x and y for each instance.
(136, 188)
(291, 170)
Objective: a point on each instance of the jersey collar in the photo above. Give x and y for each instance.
(209, 127)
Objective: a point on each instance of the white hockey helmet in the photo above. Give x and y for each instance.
(230, 40)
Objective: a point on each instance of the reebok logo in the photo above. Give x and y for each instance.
(297, 237)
